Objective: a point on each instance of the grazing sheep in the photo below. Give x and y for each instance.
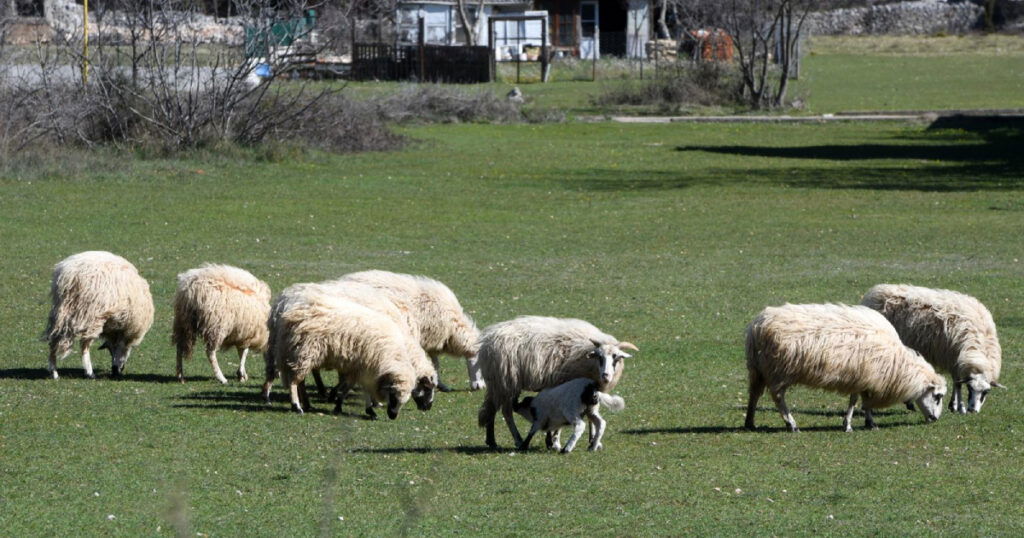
(366, 296)
(97, 294)
(437, 316)
(953, 331)
(846, 349)
(320, 330)
(534, 353)
(225, 305)
(567, 404)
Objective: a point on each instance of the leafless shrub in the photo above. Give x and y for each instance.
(699, 85)
(433, 103)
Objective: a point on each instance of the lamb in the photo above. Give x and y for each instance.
(97, 294)
(567, 404)
(225, 305)
(953, 331)
(438, 318)
(846, 349)
(534, 353)
(319, 330)
(363, 295)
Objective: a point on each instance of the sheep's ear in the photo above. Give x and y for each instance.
(596, 343)
(998, 385)
(629, 346)
(425, 381)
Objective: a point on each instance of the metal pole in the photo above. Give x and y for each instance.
(85, 42)
(422, 40)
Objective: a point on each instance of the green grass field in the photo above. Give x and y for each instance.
(670, 236)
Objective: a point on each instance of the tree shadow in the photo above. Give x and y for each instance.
(426, 450)
(954, 153)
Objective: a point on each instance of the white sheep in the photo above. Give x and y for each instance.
(227, 307)
(953, 331)
(319, 330)
(364, 295)
(568, 404)
(534, 353)
(438, 318)
(846, 349)
(97, 294)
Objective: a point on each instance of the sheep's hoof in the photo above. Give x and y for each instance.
(565, 450)
(477, 385)
(442, 387)
(794, 429)
(53, 374)
(242, 377)
(594, 448)
(90, 376)
(848, 429)
(297, 409)
(370, 413)
(181, 379)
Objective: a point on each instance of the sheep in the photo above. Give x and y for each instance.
(953, 331)
(97, 294)
(437, 316)
(366, 296)
(534, 353)
(320, 330)
(567, 404)
(846, 349)
(225, 305)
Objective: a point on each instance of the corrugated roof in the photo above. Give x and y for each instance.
(470, 3)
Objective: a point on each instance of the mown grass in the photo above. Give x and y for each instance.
(670, 236)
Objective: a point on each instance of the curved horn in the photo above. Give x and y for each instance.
(629, 346)
(998, 385)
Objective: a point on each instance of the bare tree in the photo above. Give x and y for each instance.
(464, 19)
(766, 36)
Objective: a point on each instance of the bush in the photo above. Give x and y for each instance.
(700, 85)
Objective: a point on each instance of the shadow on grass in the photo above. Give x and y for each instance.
(250, 399)
(956, 153)
(425, 450)
(36, 373)
(758, 429)
(79, 373)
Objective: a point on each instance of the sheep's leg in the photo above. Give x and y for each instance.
(476, 377)
(956, 402)
(437, 367)
(577, 432)
(51, 365)
(506, 412)
(554, 439)
(183, 352)
(485, 418)
(369, 406)
(320, 388)
(293, 389)
(338, 394)
(304, 394)
(755, 390)
(848, 419)
(243, 352)
(525, 445)
(779, 395)
(211, 352)
(595, 419)
(86, 362)
(869, 419)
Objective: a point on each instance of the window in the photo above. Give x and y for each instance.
(29, 8)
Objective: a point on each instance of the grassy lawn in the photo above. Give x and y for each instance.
(670, 236)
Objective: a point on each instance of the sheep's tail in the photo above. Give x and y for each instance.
(613, 403)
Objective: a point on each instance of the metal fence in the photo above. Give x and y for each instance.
(425, 63)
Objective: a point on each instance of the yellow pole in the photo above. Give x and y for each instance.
(85, 42)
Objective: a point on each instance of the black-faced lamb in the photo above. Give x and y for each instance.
(97, 294)
(953, 331)
(846, 349)
(534, 353)
(227, 307)
(438, 318)
(565, 405)
(320, 330)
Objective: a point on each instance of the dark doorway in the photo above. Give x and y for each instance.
(613, 27)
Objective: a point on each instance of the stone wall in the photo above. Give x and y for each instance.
(924, 17)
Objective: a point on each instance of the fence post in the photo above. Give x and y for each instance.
(422, 43)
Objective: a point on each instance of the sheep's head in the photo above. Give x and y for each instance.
(608, 359)
(423, 392)
(392, 389)
(930, 401)
(118, 357)
(978, 387)
(525, 408)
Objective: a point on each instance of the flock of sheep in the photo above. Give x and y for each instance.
(384, 332)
